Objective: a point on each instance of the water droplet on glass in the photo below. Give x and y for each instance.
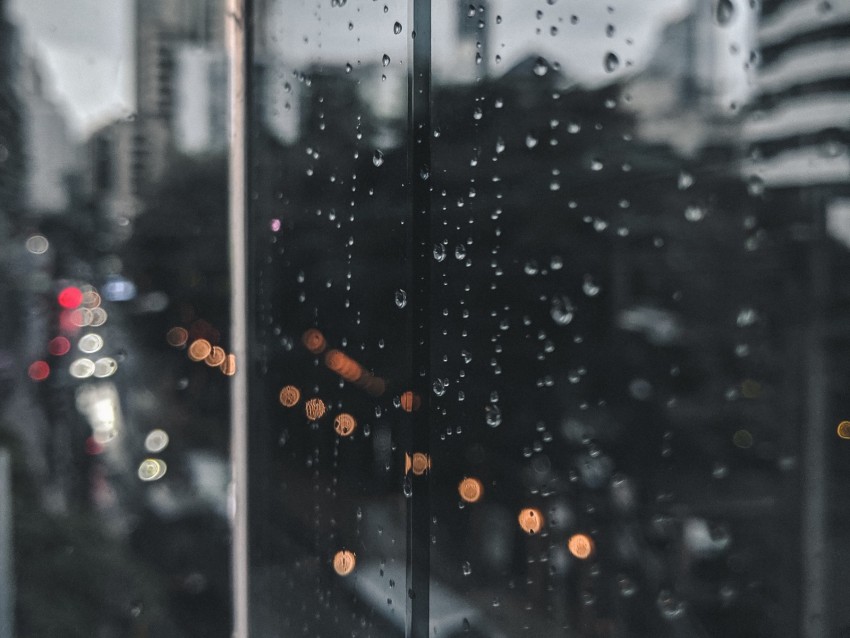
(561, 310)
(670, 607)
(397, 28)
(724, 12)
(755, 185)
(610, 30)
(439, 252)
(467, 357)
(553, 30)
(477, 114)
(378, 158)
(466, 567)
(694, 213)
(439, 387)
(589, 287)
(493, 416)
(385, 60)
(500, 145)
(347, 67)
(400, 298)
(541, 67)
(530, 141)
(530, 268)
(611, 62)
(407, 487)
(626, 586)
(556, 263)
(686, 180)
(460, 251)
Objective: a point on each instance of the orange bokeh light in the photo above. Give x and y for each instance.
(314, 409)
(470, 489)
(216, 357)
(420, 463)
(199, 349)
(289, 396)
(314, 341)
(530, 520)
(177, 337)
(344, 562)
(410, 401)
(228, 366)
(343, 365)
(344, 424)
(581, 546)
(844, 429)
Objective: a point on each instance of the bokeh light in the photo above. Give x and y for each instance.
(470, 489)
(228, 366)
(177, 337)
(344, 562)
(38, 370)
(343, 365)
(59, 346)
(530, 520)
(314, 409)
(420, 463)
(314, 341)
(37, 244)
(410, 401)
(289, 396)
(97, 317)
(344, 424)
(70, 297)
(91, 298)
(581, 546)
(90, 343)
(199, 349)
(844, 430)
(105, 367)
(216, 357)
(156, 440)
(152, 469)
(81, 368)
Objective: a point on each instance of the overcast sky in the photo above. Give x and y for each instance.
(85, 51)
(86, 46)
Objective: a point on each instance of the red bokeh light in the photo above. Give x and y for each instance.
(70, 297)
(58, 346)
(93, 447)
(38, 370)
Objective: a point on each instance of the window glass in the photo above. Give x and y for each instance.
(613, 313)
(114, 306)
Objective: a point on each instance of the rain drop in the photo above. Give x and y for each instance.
(611, 62)
(439, 252)
(541, 67)
(400, 298)
(493, 416)
(466, 567)
(460, 251)
(385, 60)
(530, 141)
(378, 158)
(397, 28)
(724, 12)
(561, 310)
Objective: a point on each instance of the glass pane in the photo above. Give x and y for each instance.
(632, 287)
(114, 305)
(330, 319)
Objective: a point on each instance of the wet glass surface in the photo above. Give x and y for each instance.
(547, 327)
(602, 321)
(114, 320)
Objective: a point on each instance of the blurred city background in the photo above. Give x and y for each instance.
(609, 365)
